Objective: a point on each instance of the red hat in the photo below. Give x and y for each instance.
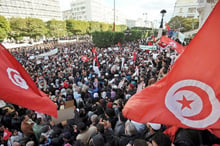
(109, 104)
(131, 85)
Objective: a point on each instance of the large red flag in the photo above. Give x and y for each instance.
(189, 95)
(18, 88)
(175, 45)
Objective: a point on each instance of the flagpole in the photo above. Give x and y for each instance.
(114, 16)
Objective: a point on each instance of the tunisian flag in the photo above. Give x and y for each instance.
(84, 58)
(168, 27)
(6, 134)
(175, 45)
(18, 88)
(189, 95)
(94, 51)
(113, 27)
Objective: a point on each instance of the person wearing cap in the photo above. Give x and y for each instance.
(131, 89)
(153, 129)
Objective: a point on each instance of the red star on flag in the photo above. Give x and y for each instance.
(185, 103)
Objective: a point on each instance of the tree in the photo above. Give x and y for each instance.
(77, 27)
(183, 24)
(102, 39)
(120, 28)
(118, 37)
(18, 28)
(104, 27)
(94, 26)
(35, 27)
(56, 28)
(107, 38)
(4, 28)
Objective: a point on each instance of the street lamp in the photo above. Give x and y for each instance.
(163, 13)
(160, 31)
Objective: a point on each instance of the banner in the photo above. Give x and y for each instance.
(50, 53)
(181, 37)
(146, 47)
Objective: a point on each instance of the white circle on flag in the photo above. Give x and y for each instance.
(16, 78)
(195, 106)
(173, 44)
(185, 103)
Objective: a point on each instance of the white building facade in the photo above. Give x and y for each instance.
(42, 9)
(204, 9)
(194, 9)
(186, 8)
(94, 10)
(89, 10)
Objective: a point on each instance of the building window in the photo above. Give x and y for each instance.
(200, 1)
(191, 10)
(211, 1)
(181, 10)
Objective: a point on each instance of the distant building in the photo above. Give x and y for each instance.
(94, 10)
(90, 10)
(42, 9)
(130, 23)
(67, 14)
(204, 9)
(186, 8)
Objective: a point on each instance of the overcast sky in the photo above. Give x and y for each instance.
(135, 8)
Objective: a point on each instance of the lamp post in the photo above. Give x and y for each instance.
(163, 13)
(160, 31)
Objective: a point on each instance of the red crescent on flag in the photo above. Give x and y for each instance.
(206, 108)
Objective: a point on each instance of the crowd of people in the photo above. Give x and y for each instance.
(99, 87)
